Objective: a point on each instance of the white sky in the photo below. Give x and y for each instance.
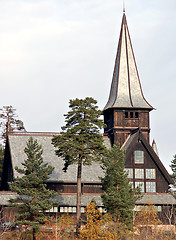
(55, 50)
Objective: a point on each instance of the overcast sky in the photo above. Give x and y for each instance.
(55, 50)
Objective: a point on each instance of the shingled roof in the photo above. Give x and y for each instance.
(17, 143)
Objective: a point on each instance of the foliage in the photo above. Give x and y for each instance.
(80, 141)
(118, 198)
(33, 199)
(9, 121)
(173, 167)
(1, 160)
(146, 222)
(147, 216)
(58, 228)
(100, 227)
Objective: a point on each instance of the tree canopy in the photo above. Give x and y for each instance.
(33, 197)
(173, 167)
(119, 197)
(80, 141)
(9, 121)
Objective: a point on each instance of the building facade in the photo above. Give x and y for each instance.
(126, 116)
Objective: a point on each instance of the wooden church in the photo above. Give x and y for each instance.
(126, 116)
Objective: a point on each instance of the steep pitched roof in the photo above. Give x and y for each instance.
(17, 143)
(138, 136)
(126, 91)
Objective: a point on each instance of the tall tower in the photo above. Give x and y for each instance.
(126, 110)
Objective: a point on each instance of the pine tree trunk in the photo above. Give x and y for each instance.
(34, 234)
(78, 205)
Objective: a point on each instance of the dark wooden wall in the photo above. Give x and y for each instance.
(161, 182)
(120, 123)
(61, 187)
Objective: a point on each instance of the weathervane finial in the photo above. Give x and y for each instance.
(123, 6)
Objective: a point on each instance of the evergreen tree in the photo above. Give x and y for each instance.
(119, 197)
(1, 160)
(9, 121)
(33, 197)
(80, 141)
(173, 167)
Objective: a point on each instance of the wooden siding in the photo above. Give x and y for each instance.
(120, 123)
(72, 187)
(161, 182)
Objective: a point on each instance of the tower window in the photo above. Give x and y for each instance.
(138, 157)
(126, 114)
(131, 114)
(136, 115)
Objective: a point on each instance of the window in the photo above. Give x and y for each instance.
(150, 186)
(150, 173)
(74, 209)
(147, 208)
(126, 114)
(61, 209)
(136, 115)
(138, 157)
(82, 209)
(139, 173)
(131, 114)
(53, 210)
(129, 172)
(140, 184)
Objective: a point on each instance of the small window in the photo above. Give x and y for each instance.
(138, 157)
(65, 209)
(150, 186)
(129, 172)
(131, 114)
(150, 173)
(70, 209)
(82, 209)
(139, 173)
(126, 114)
(74, 209)
(140, 184)
(61, 209)
(136, 115)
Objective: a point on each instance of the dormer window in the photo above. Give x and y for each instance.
(138, 157)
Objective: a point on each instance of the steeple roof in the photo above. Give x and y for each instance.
(126, 91)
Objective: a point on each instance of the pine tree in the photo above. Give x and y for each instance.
(118, 198)
(1, 160)
(9, 121)
(173, 167)
(80, 141)
(33, 197)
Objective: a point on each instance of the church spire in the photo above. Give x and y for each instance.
(126, 91)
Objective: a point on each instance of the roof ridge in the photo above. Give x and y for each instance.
(34, 133)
